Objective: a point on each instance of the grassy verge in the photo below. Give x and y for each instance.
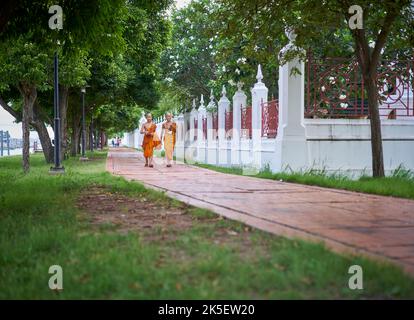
(41, 224)
(399, 184)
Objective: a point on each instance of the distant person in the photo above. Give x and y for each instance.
(169, 129)
(150, 140)
(113, 143)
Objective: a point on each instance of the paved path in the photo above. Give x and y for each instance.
(346, 221)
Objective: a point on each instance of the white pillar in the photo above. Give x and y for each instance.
(259, 95)
(191, 149)
(142, 121)
(187, 133)
(223, 106)
(291, 146)
(239, 102)
(201, 142)
(180, 134)
(140, 136)
(211, 106)
(193, 115)
(211, 143)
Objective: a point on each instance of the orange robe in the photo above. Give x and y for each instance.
(148, 143)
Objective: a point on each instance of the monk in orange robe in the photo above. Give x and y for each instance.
(150, 140)
(169, 129)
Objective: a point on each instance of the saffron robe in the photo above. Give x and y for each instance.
(150, 141)
(169, 139)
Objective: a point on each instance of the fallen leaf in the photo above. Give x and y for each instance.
(232, 233)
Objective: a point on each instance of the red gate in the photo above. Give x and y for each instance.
(270, 118)
(205, 128)
(229, 124)
(195, 128)
(246, 122)
(335, 88)
(215, 126)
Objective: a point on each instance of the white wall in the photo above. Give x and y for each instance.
(345, 145)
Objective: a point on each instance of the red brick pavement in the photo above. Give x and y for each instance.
(381, 227)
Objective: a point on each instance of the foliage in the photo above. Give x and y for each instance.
(111, 46)
(188, 61)
(173, 99)
(23, 60)
(221, 42)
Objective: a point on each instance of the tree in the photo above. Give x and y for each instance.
(189, 63)
(28, 46)
(117, 42)
(28, 73)
(312, 20)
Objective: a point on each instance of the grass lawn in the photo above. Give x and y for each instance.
(400, 184)
(116, 239)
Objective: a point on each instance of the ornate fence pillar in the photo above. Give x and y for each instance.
(211, 140)
(211, 106)
(239, 102)
(140, 136)
(259, 96)
(180, 138)
(193, 115)
(191, 150)
(291, 147)
(223, 106)
(187, 131)
(201, 141)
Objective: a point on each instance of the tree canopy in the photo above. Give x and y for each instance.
(112, 47)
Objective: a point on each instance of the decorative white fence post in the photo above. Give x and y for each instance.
(239, 102)
(259, 96)
(187, 133)
(223, 106)
(193, 115)
(159, 127)
(201, 142)
(137, 135)
(211, 148)
(191, 150)
(291, 147)
(180, 138)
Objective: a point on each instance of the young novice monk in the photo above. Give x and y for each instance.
(150, 140)
(169, 129)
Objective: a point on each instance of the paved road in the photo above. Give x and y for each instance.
(381, 227)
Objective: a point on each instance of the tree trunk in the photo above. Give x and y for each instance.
(76, 130)
(43, 134)
(63, 109)
(87, 139)
(101, 139)
(29, 94)
(91, 139)
(79, 140)
(368, 67)
(38, 124)
(376, 135)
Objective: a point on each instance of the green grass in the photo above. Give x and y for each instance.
(399, 184)
(40, 226)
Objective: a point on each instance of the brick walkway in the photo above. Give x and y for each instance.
(381, 227)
